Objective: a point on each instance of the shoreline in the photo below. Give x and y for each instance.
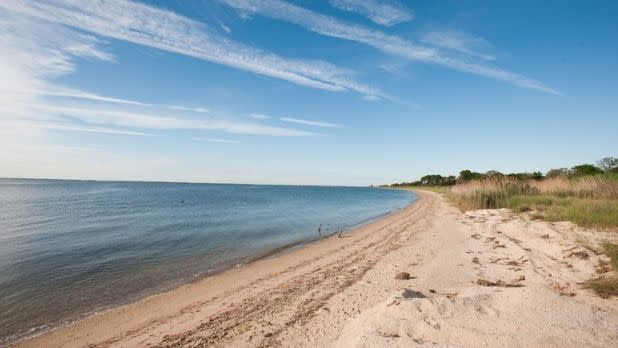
(240, 263)
(345, 292)
(290, 247)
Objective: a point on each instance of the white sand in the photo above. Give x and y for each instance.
(343, 292)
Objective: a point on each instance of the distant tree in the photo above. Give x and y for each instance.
(609, 164)
(450, 180)
(493, 174)
(553, 173)
(585, 169)
(467, 175)
(432, 179)
(436, 180)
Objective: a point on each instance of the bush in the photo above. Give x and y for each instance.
(585, 170)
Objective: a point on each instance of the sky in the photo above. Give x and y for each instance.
(331, 92)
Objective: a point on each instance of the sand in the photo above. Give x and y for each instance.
(488, 277)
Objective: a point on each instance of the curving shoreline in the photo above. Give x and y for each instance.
(343, 291)
(247, 262)
(117, 256)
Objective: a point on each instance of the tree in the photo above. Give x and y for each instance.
(585, 169)
(432, 179)
(437, 180)
(494, 173)
(467, 175)
(609, 164)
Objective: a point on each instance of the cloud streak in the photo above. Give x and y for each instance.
(310, 123)
(59, 91)
(217, 140)
(130, 119)
(186, 108)
(391, 44)
(259, 116)
(387, 12)
(70, 128)
(458, 42)
(165, 30)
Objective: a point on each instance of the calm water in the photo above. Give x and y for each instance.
(68, 248)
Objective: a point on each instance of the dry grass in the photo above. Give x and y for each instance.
(607, 286)
(596, 187)
(491, 192)
(587, 201)
(604, 287)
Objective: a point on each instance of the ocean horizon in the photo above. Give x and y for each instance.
(70, 248)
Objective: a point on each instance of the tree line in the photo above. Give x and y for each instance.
(605, 165)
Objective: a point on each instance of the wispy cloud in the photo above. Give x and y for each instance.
(459, 42)
(34, 53)
(371, 98)
(187, 108)
(395, 45)
(386, 12)
(139, 120)
(223, 26)
(217, 140)
(60, 91)
(165, 30)
(70, 128)
(259, 116)
(310, 122)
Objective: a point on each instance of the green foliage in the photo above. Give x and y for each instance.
(494, 174)
(429, 180)
(584, 170)
(611, 250)
(526, 176)
(437, 180)
(584, 212)
(468, 175)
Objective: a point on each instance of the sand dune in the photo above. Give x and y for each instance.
(482, 278)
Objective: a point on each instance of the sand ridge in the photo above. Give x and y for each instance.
(481, 278)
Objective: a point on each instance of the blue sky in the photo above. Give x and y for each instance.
(304, 92)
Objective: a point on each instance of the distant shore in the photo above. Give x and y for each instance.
(426, 274)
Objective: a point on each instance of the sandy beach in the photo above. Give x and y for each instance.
(427, 275)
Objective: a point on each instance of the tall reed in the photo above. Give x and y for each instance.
(496, 192)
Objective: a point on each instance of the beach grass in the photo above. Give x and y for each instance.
(582, 211)
(588, 201)
(611, 250)
(607, 286)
